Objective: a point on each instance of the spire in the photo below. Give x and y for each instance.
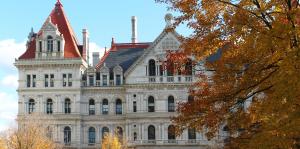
(112, 41)
(58, 3)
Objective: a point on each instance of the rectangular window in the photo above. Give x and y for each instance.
(161, 70)
(91, 80)
(97, 75)
(51, 80)
(69, 79)
(118, 79)
(28, 80)
(104, 83)
(64, 80)
(104, 109)
(40, 46)
(58, 46)
(134, 106)
(46, 80)
(33, 80)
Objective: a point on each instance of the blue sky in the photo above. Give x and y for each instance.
(103, 18)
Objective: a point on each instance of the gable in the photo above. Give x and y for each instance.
(164, 42)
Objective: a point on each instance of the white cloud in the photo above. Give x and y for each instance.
(10, 81)
(95, 48)
(8, 110)
(10, 50)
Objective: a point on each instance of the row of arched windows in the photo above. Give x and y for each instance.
(170, 70)
(105, 105)
(119, 130)
(91, 134)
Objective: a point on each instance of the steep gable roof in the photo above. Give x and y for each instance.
(58, 18)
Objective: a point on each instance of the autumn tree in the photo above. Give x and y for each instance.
(111, 141)
(254, 86)
(31, 134)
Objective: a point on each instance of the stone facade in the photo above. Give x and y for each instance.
(67, 93)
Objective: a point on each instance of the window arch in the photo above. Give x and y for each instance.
(151, 104)
(67, 106)
(191, 134)
(171, 104)
(189, 67)
(31, 106)
(92, 135)
(50, 44)
(49, 106)
(151, 132)
(152, 67)
(118, 106)
(67, 135)
(91, 107)
(105, 132)
(171, 132)
(105, 106)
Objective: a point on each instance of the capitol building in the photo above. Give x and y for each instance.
(127, 91)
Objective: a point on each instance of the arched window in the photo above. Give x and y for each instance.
(50, 44)
(152, 68)
(67, 135)
(134, 136)
(191, 134)
(92, 135)
(171, 104)
(120, 133)
(91, 107)
(189, 67)
(171, 132)
(67, 106)
(151, 104)
(105, 132)
(105, 106)
(49, 106)
(118, 106)
(31, 106)
(190, 98)
(151, 132)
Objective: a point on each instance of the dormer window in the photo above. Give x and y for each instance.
(40, 46)
(50, 44)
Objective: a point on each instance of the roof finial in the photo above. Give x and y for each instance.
(168, 19)
(58, 3)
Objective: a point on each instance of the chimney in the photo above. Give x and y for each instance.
(85, 44)
(134, 29)
(96, 58)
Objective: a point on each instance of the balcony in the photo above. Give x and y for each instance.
(171, 142)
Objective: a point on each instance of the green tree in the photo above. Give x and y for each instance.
(260, 63)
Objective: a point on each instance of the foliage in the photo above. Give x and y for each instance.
(29, 135)
(111, 141)
(260, 64)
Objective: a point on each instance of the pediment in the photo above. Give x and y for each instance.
(49, 26)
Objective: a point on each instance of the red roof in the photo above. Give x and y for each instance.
(58, 18)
